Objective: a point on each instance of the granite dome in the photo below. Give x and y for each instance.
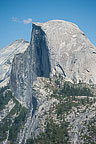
(56, 47)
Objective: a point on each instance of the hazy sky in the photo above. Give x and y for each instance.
(16, 17)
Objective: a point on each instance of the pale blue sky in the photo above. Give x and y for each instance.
(16, 15)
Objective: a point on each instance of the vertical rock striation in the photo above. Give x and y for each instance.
(28, 66)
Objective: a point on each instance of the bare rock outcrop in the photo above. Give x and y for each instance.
(6, 57)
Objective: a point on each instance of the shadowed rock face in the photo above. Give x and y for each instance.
(40, 53)
(30, 65)
(55, 47)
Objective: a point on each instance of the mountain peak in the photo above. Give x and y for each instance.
(7, 54)
(54, 22)
(21, 40)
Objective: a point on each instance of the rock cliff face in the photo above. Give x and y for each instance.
(55, 47)
(70, 51)
(26, 67)
(6, 58)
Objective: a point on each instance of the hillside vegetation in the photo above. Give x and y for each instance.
(73, 119)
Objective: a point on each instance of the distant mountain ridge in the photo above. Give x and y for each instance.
(6, 57)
